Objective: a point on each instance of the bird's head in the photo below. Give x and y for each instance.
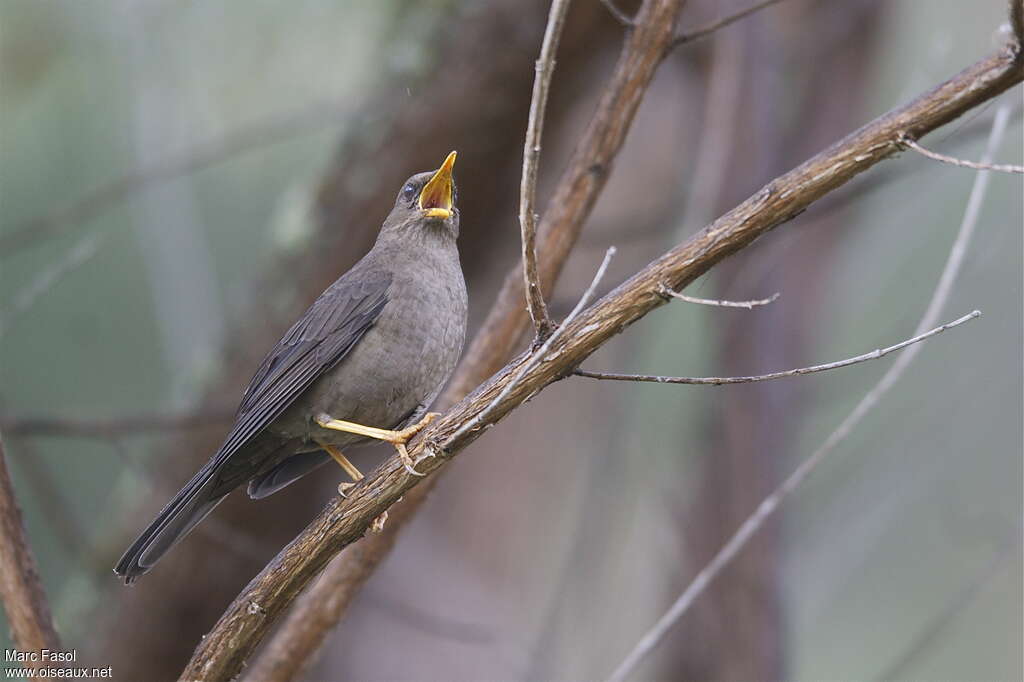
(427, 202)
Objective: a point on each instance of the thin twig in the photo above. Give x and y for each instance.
(755, 521)
(24, 600)
(544, 68)
(715, 302)
(224, 650)
(963, 163)
(617, 13)
(708, 29)
(721, 381)
(536, 355)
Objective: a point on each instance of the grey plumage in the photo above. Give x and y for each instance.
(375, 348)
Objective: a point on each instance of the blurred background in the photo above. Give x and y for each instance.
(180, 179)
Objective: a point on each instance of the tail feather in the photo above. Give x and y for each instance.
(175, 520)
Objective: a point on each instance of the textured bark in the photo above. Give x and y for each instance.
(24, 600)
(222, 652)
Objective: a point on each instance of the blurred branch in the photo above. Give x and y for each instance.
(545, 68)
(77, 427)
(24, 600)
(749, 305)
(897, 670)
(306, 121)
(221, 654)
(294, 645)
(1003, 168)
(47, 277)
(617, 13)
(770, 504)
(720, 381)
(709, 28)
(1017, 24)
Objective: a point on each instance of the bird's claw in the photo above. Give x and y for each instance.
(343, 489)
(407, 462)
(378, 523)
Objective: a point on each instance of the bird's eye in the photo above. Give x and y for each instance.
(409, 192)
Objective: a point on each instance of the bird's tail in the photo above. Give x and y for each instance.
(189, 507)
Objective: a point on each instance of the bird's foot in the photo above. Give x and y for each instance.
(378, 523)
(343, 489)
(396, 438)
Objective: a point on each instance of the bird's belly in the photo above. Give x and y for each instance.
(395, 370)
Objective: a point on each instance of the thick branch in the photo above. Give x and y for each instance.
(545, 68)
(28, 612)
(221, 654)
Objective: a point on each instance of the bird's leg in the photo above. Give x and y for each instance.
(355, 474)
(396, 438)
(350, 469)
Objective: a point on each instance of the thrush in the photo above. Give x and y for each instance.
(363, 363)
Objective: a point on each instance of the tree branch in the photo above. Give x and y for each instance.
(28, 611)
(545, 68)
(221, 654)
(721, 381)
(749, 305)
(1003, 168)
(770, 504)
(709, 28)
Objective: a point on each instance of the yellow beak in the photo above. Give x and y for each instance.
(436, 197)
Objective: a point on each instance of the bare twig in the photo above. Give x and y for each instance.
(724, 304)
(536, 355)
(24, 600)
(210, 153)
(223, 651)
(755, 521)
(963, 163)
(75, 427)
(721, 381)
(708, 29)
(544, 67)
(617, 13)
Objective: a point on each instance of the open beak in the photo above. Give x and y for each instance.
(436, 197)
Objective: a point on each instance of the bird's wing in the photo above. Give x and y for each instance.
(327, 331)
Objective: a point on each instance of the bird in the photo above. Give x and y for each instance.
(363, 363)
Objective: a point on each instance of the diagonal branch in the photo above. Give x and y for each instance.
(545, 68)
(721, 381)
(770, 504)
(223, 651)
(28, 612)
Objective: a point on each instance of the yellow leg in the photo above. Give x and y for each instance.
(396, 438)
(356, 475)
